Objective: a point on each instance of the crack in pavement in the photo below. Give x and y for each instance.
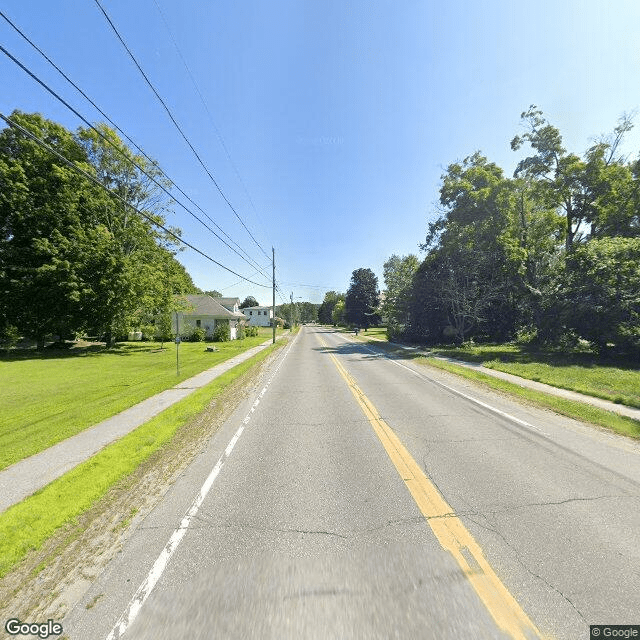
(522, 563)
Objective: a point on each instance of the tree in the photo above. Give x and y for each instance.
(362, 299)
(72, 257)
(578, 187)
(43, 240)
(398, 279)
(338, 313)
(473, 251)
(127, 280)
(213, 293)
(308, 312)
(603, 293)
(249, 301)
(325, 311)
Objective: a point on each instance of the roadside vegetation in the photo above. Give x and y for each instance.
(26, 525)
(570, 408)
(576, 370)
(51, 395)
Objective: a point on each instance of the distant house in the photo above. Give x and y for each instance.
(205, 312)
(258, 316)
(231, 304)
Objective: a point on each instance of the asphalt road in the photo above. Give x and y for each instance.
(365, 497)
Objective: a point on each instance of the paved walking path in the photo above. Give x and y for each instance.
(27, 476)
(621, 409)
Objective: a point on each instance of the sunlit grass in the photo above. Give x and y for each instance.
(577, 371)
(573, 409)
(26, 525)
(49, 397)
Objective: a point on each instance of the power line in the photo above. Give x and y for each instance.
(206, 108)
(129, 159)
(153, 162)
(144, 75)
(93, 179)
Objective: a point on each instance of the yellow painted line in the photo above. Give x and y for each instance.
(447, 527)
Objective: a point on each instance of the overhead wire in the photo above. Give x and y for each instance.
(211, 119)
(93, 179)
(122, 132)
(176, 124)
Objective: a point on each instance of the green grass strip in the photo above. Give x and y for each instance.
(571, 408)
(27, 525)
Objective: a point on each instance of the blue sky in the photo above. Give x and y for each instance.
(339, 116)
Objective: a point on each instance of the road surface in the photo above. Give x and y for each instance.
(359, 496)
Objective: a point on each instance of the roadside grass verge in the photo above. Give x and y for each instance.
(27, 525)
(572, 409)
(52, 396)
(581, 371)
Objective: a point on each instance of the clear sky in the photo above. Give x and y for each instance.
(339, 116)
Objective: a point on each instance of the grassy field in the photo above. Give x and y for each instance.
(54, 395)
(26, 525)
(580, 371)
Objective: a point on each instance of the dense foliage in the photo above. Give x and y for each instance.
(74, 259)
(550, 255)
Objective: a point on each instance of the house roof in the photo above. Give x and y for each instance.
(228, 301)
(204, 305)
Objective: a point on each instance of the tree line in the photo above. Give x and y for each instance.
(550, 255)
(74, 259)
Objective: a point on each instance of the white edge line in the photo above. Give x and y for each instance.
(459, 393)
(145, 589)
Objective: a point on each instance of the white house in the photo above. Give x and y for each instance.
(205, 312)
(258, 316)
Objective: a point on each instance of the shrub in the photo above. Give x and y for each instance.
(222, 332)
(197, 335)
(9, 336)
(241, 332)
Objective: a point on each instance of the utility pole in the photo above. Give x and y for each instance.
(293, 318)
(177, 344)
(273, 261)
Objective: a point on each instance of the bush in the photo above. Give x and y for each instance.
(241, 332)
(251, 331)
(9, 336)
(197, 335)
(222, 332)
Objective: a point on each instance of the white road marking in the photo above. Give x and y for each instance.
(145, 589)
(508, 416)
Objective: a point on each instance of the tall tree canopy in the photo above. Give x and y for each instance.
(362, 299)
(72, 257)
(249, 301)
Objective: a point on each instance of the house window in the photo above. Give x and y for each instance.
(198, 323)
(250, 313)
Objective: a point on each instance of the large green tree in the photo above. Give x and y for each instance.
(325, 311)
(363, 299)
(43, 239)
(398, 280)
(72, 257)
(131, 278)
(249, 301)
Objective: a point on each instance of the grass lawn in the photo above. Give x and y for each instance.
(580, 371)
(26, 525)
(51, 396)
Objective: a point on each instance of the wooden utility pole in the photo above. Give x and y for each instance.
(273, 261)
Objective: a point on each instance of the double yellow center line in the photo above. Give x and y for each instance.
(447, 527)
